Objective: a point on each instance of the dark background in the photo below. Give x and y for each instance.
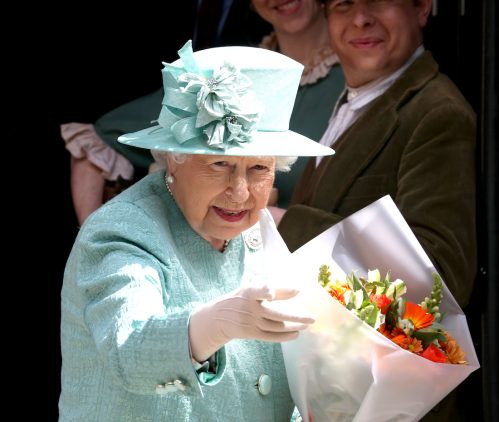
(85, 62)
(75, 65)
(463, 38)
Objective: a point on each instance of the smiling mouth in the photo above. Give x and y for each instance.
(288, 6)
(365, 42)
(230, 215)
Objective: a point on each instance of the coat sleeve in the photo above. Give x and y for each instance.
(301, 222)
(121, 278)
(436, 193)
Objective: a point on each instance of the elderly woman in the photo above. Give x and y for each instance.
(167, 313)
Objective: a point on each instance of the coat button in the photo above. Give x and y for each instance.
(264, 384)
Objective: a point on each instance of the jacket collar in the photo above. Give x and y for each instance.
(364, 139)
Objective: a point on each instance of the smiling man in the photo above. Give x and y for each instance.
(401, 128)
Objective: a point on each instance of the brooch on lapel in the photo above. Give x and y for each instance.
(253, 239)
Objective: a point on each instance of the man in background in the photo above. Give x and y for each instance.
(402, 129)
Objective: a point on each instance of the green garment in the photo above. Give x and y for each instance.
(130, 117)
(313, 107)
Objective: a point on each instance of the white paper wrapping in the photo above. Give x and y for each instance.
(341, 369)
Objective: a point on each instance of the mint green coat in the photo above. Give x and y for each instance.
(134, 275)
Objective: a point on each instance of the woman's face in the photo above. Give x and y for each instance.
(220, 196)
(292, 16)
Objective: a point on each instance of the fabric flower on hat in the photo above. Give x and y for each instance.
(220, 107)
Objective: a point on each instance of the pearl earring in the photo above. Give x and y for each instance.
(169, 180)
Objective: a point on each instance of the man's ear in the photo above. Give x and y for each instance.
(424, 7)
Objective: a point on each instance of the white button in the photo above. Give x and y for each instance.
(264, 384)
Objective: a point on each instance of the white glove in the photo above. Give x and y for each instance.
(243, 313)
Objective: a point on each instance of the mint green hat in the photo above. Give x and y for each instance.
(228, 101)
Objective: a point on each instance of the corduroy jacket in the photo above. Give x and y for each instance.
(416, 142)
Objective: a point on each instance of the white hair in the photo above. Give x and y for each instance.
(282, 164)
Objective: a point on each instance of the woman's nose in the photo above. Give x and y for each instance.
(238, 189)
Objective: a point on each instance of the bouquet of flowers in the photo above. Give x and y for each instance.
(379, 303)
(344, 369)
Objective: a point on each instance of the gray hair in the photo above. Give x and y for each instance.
(282, 164)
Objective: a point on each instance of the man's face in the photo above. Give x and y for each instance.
(374, 38)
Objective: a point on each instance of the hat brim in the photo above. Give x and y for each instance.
(264, 143)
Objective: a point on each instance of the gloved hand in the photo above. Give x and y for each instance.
(243, 313)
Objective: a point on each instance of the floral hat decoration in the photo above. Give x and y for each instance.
(228, 101)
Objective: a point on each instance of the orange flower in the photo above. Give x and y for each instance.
(396, 335)
(454, 353)
(408, 343)
(395, 332)
(337, 290)
(383, 302)
(417, 315)
(434, 354)
(383, 330)
(398, 339)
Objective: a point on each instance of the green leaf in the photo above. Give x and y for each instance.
(428, 335)
(358, 286)
(392, 315)
(372, 313)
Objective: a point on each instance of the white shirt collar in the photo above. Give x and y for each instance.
(359, 97)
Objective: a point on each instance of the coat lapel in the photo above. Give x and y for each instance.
(357, 147)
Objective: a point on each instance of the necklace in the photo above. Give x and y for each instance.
(168, 180)
(224, 246)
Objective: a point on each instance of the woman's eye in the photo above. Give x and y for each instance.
(259, 167)
(221, 163)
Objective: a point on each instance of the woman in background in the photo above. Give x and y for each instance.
(300, 31)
